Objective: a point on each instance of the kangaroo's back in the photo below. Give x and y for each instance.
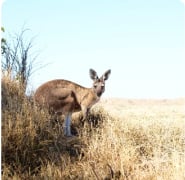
(54, 84)
(58, 94)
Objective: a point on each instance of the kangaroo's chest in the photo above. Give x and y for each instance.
(89, 100)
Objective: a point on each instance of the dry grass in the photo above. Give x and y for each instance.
(122, 139)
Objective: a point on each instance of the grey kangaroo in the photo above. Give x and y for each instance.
(65, 97)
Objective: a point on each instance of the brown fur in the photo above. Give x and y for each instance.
(62, 96)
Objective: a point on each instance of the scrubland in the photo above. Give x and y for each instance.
(121, 139)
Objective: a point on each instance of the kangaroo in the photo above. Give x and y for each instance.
(65, 97)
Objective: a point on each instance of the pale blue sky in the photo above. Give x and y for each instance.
(142, 42)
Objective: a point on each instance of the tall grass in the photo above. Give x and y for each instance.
(121, 139)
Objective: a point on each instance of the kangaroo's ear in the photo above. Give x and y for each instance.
(93, 74)
(106, 75)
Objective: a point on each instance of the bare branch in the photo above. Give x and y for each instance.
(19, 59)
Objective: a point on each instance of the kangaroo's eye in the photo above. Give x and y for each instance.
(95, 86)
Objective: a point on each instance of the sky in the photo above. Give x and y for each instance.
(142, 42)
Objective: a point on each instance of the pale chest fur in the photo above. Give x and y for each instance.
(89, 99)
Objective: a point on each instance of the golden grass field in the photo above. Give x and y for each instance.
(122, 139)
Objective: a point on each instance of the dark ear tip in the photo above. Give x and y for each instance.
(91, 70)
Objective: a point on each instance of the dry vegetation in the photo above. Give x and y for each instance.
(122, 139)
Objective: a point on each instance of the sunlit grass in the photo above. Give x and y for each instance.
(122, 139)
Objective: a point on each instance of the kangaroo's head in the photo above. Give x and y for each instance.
(99, 83)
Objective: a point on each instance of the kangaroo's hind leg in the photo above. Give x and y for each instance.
(67, 125)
